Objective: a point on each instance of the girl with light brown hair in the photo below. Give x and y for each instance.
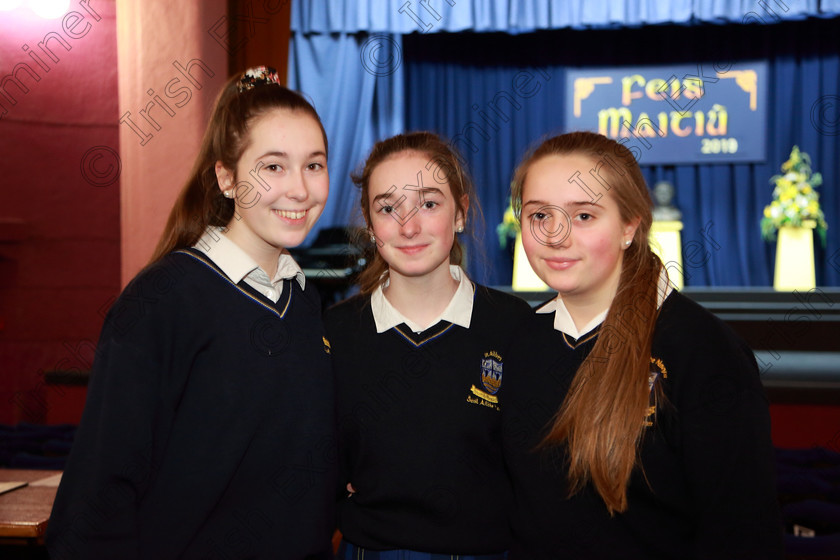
(638, 427)
(420, 360)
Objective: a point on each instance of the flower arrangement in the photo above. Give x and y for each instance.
(509, 228)
(795, 198)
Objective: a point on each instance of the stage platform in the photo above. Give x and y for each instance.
(795, 336)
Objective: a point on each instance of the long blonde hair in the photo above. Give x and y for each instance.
(601, 420)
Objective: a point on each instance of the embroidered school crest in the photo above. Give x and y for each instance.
(491, 372)
(491, 381)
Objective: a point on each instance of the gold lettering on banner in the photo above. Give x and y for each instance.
(655, 89)
(717, 114)
(625, 119)
(618, 123)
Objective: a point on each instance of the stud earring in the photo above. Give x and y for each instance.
(228, 193)
(628, 242)
(372, 238)
(459, 229)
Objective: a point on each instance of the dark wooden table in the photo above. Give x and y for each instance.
(24, 512)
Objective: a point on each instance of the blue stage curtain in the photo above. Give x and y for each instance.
(482, 116)
(453, 78)
(355, 83)
(522, 16)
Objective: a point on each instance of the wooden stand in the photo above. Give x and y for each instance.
(795, 258)
(665, 241)
(24, 512)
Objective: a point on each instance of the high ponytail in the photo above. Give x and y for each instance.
(200, 203)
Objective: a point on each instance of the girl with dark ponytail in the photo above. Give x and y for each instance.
(208, 430)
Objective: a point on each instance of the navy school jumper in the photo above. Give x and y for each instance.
(209, 426)
(706, 489)
(420, 427)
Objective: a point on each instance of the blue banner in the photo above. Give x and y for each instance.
(675, 114)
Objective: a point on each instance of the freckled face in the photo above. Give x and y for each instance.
(280, 184)
(414, 221)
(574, 241)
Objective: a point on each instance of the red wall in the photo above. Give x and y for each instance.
(801, 427)
(59, 220)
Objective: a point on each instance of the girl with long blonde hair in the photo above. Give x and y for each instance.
(639, 426)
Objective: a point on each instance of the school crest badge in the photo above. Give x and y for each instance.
(491, 372)
(491, 382)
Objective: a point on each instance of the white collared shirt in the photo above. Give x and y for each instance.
(238, 265)
(458, 312)
(563, 320)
